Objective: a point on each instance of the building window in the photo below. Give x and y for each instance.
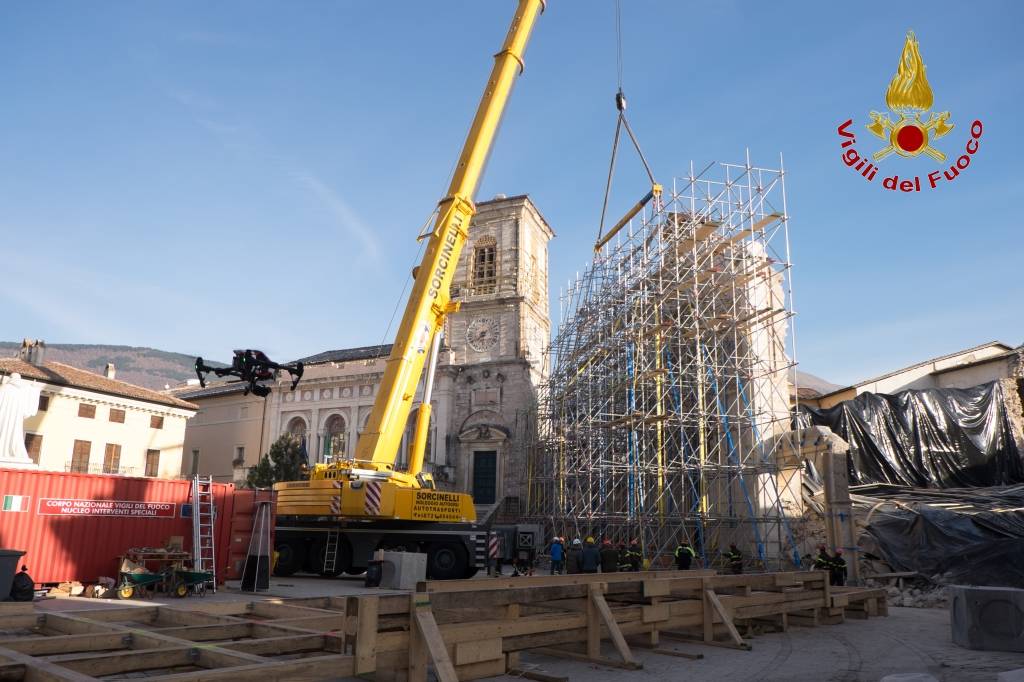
(116, 415)
(335, 443)
(86, 410)
(152, 463)
(156, 422)
(297, 428)
(485, 269)
(239, 455)
(80, 457)
(33, 445)
(112, 459)
(44, 403)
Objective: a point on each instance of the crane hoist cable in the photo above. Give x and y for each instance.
(622, 122)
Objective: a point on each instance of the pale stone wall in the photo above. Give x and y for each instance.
(223, 424)
(60, 426)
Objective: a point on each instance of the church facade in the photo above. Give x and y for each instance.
(484, 404)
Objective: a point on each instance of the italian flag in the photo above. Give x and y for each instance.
(15, 503)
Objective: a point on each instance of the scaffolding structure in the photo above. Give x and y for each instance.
(669, 386)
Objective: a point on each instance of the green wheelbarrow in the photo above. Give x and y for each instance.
(194, 582)
(132, 584)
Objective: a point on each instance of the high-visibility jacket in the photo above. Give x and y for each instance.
(685, 548)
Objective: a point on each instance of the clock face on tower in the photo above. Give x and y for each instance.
(482, 333)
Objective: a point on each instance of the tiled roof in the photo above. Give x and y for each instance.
(59, 374)
(348, 354)
(225, 388)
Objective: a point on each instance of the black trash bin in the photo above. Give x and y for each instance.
(374, 572)
(10, 559)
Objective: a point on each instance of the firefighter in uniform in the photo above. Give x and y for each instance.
(609, 557)
(735, 560)
(684, 556)
(634, 559)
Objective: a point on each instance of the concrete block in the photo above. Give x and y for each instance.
(402, 570)
(1011, 676)
(987, 618)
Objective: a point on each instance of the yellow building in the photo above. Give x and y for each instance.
(90, 423)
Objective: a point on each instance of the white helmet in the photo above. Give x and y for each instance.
(576, 541)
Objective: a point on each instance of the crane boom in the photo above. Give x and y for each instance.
(429, 302)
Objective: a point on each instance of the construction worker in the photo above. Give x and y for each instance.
(590, 557)
(609, 557)
(735, 560)
(573, 557)
(684, 556)
(838, 572)
(557, 556)
(634, 558)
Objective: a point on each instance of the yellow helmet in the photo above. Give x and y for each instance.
(590, 539)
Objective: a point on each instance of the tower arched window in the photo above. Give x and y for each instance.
(485, 266)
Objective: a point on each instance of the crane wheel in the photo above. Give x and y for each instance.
(291, 555)
(446, 561)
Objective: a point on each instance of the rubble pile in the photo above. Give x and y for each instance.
(919, 596)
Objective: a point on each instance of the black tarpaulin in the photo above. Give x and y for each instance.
(929, 438)
(969, 536)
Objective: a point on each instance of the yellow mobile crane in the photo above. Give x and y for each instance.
(334, 521)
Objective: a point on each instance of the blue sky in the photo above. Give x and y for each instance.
(201, 176)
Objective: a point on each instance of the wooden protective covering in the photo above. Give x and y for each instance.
(464, 630)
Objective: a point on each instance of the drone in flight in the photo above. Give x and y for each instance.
(252, 367)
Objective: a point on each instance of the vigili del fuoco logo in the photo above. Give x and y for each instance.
(906, 132)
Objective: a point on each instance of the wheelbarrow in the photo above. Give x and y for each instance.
(193, 582)
(136, 583)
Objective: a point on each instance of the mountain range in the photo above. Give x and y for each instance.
(157, 369)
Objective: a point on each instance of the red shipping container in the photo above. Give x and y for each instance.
(75, 526)
(243, 521)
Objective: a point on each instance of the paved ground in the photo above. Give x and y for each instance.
(909, 640)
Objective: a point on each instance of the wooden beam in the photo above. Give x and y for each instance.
(275, 646)
(119, 662)
(207, 633)
(326, 667)
(425, 628)
(366, 634)
(40, 670)
(724, 614)
(597, 597)
(12, 671)
(65, 644)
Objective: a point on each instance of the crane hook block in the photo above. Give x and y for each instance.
(620, 101)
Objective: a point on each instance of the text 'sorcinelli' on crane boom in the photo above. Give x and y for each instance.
(333, 522)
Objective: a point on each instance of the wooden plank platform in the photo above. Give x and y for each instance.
(459, 629)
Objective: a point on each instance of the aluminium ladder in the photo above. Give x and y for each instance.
(203, 519)
(331, 551)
